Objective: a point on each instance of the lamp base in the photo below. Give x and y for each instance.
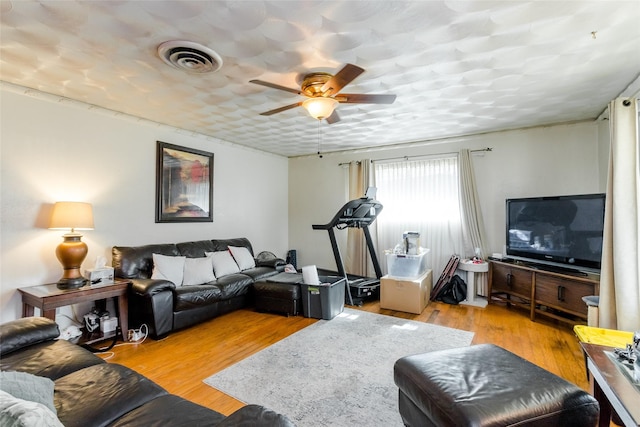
(74, 283)
(71, 252)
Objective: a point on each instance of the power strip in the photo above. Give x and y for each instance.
(135, 336)
(138, 335)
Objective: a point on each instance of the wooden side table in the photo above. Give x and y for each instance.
(471, 268)
(48, 297)
(612, 388)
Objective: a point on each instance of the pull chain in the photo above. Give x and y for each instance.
(319, 139)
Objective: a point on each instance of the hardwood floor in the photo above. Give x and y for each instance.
(181, 361)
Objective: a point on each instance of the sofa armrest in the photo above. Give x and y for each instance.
(268, 259)
(20, 333)
(151, 303)
(280, 265)
(273, 263)
(256, 416)
(150, 287)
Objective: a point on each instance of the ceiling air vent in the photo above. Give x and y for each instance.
(190, 57)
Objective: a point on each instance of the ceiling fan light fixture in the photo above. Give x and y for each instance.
(320, 108)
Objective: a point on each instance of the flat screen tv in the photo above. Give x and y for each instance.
(562, 230)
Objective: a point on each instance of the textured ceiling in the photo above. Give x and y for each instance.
(457, 67)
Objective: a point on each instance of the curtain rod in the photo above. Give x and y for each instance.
(419, 155)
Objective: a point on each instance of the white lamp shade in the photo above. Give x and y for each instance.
(320, 107)
(72, 215)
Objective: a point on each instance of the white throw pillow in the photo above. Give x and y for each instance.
(243, 257)
(198, 271)
(223, 263)
(169, 268)
(28, 387)
(24, 413)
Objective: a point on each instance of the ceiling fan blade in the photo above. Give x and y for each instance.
(345, 76)
(275, 86)
(281, 109)
(333, 118)
(358, 98)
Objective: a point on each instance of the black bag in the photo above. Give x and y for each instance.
(453, 292)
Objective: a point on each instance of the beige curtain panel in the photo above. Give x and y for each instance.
(619, 306)
(357, 257)
(472, 222)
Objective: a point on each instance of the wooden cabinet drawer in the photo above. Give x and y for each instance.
(563, 294)
(511, 280)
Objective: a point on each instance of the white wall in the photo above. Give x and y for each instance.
(544, 161)
(54, 150)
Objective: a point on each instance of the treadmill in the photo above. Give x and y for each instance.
(358, 213)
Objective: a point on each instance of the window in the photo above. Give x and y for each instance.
(423, 196)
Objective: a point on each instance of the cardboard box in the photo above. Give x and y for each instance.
(408, 295)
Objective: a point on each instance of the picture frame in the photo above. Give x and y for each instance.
(184, 184)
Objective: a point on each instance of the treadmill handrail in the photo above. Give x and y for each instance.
(354, 213)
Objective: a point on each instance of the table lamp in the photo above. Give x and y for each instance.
(72, 251)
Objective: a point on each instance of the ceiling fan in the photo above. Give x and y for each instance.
(322, 91)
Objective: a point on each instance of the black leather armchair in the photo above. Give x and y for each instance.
(90, 392)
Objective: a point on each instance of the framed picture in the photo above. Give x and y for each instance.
(184, 184)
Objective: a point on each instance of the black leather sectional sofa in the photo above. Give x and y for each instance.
(164, 307)
(87, 391)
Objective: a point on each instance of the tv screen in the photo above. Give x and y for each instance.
(559, 229)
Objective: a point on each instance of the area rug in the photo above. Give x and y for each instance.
(336, 372)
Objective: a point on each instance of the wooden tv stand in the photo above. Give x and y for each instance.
(553, 294)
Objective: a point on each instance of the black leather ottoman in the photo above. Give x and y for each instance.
(279, 293)
(485, 385)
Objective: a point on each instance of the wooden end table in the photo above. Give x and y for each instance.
(48, 297)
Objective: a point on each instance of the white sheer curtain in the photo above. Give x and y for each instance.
(423, 196)
(619, 306)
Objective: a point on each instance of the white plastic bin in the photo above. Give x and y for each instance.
(407, 266)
